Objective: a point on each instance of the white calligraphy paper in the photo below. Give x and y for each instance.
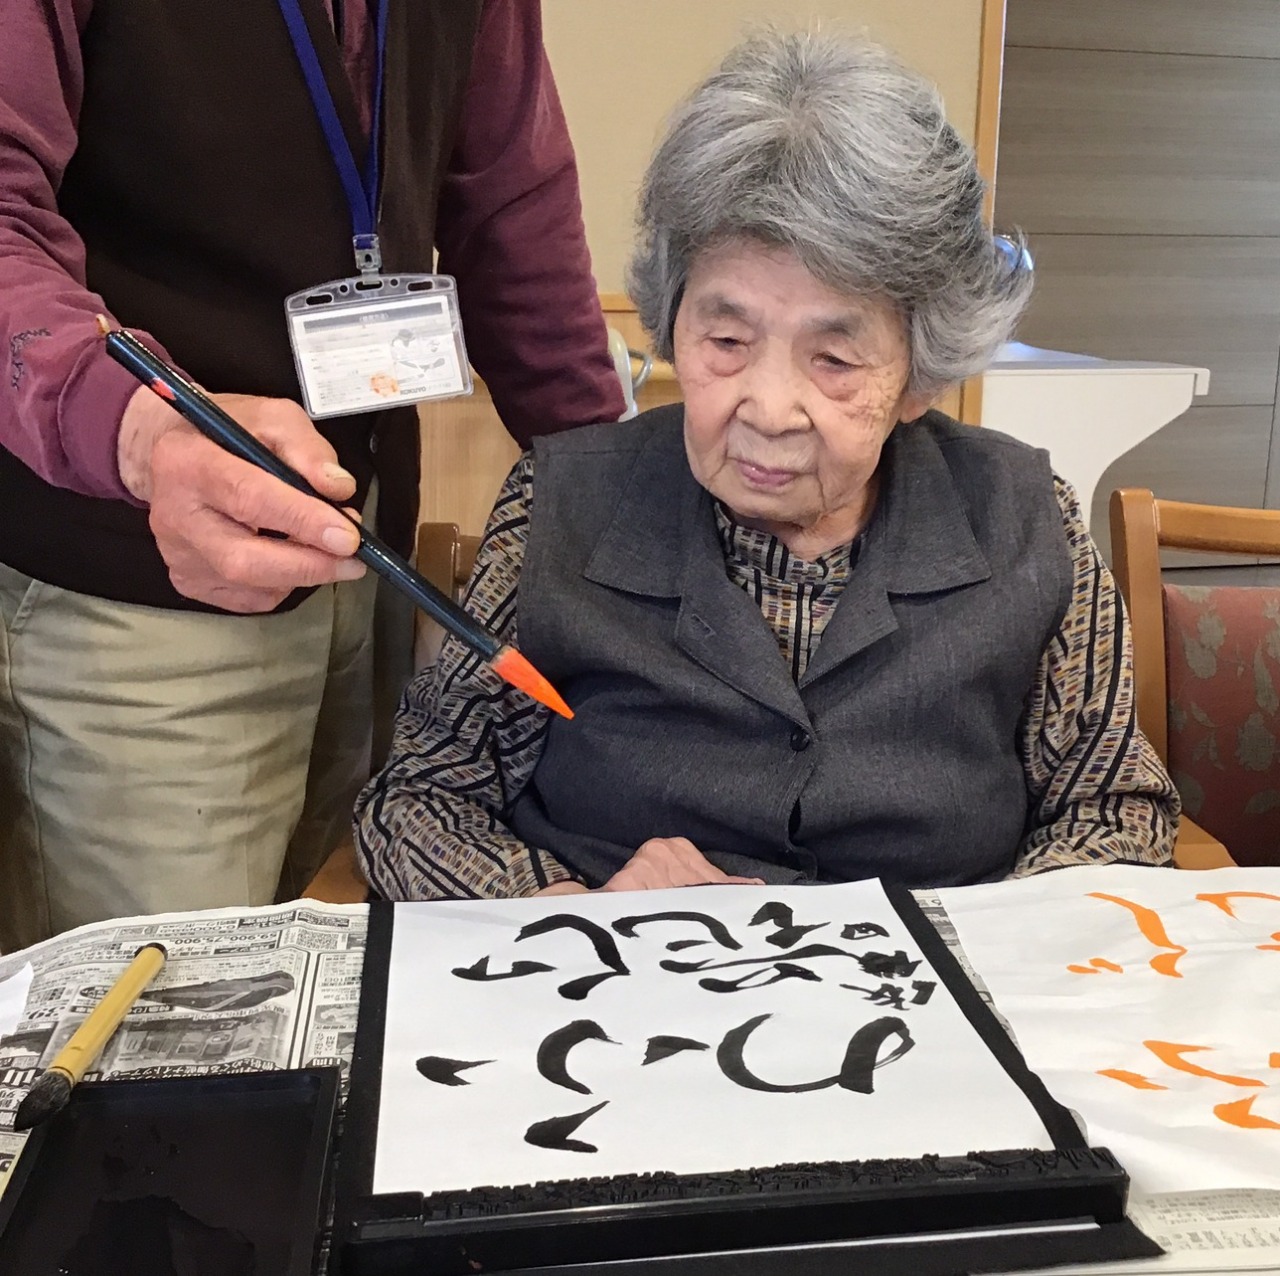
(596, 1035)
(13, 998)
(1148, 1000)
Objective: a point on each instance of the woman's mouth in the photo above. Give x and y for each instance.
(763, 477)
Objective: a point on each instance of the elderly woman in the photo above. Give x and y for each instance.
(812, 631)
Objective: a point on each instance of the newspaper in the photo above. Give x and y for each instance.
(247, 990)
(1202, 1232)
(243, 990)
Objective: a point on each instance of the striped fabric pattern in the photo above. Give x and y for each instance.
(795, 597)
(1091, 772)
(430, 825)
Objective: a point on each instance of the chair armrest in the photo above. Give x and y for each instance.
(339, 880)
(1197, 849)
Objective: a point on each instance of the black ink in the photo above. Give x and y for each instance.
(678, 945)
(864, 930)
(554, 1132)
(783, 970)
(893, 997)
(445, 1071)
(660, 1048)
(604, 944)
(626, 927)
(553, 1053)
(480, 970)
(577, 989)
(800, 954)
(888, 995)
(861, 1058)
(788, 933)
(888, 965)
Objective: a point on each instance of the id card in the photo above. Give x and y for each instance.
(377, 342)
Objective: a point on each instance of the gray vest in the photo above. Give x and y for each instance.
(895, 756)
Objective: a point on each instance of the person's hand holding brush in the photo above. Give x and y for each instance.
(207, 506)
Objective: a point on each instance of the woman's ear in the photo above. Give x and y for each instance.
(915, 405)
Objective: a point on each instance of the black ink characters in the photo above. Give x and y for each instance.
(873, 1045)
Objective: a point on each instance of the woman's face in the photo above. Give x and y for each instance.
(790, 390)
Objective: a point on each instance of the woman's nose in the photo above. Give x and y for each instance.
(775, 398)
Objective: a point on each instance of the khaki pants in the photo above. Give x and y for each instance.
(154, 760)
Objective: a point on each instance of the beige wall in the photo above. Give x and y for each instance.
(622, 64)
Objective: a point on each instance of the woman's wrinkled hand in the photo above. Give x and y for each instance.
(663, 862)
(562, 888)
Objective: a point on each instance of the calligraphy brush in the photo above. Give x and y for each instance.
(51, 1092)
(196, 406)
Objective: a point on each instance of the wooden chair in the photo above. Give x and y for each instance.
(1140, 527)
(445, 557)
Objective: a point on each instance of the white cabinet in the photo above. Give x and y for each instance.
(1086, 412)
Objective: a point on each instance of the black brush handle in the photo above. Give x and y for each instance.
(196, 406)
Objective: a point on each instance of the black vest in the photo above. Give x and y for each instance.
(895, 756)
(205, 194)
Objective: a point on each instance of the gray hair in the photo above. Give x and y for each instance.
(833, 149)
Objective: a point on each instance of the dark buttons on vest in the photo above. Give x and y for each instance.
(800, 739)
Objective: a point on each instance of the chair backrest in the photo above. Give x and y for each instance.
(445, 557)
(1207, 665)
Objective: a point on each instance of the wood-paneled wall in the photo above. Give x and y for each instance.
(1140, 151)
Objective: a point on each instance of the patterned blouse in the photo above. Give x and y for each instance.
(430, 826)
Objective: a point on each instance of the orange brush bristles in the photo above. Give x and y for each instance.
(512, 666)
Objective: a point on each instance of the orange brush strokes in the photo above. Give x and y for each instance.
(1239, 1113)
(1095, 966)
(1170, 1053)
(512, 666)
(1223, 899)
(1152, 928)
(1135, 1079)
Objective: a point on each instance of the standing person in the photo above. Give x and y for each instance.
(167, 675)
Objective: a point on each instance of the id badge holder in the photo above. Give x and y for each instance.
(377, 341)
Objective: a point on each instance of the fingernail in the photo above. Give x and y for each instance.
(336, 474)
(350, 569)
(340, 540)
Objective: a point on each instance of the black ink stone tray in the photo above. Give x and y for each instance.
(987, 1211)
(218, 1174)
(790, 1218)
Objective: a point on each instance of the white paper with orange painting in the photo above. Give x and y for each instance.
(1148, 1000)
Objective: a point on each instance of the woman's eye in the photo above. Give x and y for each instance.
(726, 343)
(834, 363)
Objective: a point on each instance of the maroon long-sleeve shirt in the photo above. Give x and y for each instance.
(509, 227)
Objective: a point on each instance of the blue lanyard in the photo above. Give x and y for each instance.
(361, 189)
